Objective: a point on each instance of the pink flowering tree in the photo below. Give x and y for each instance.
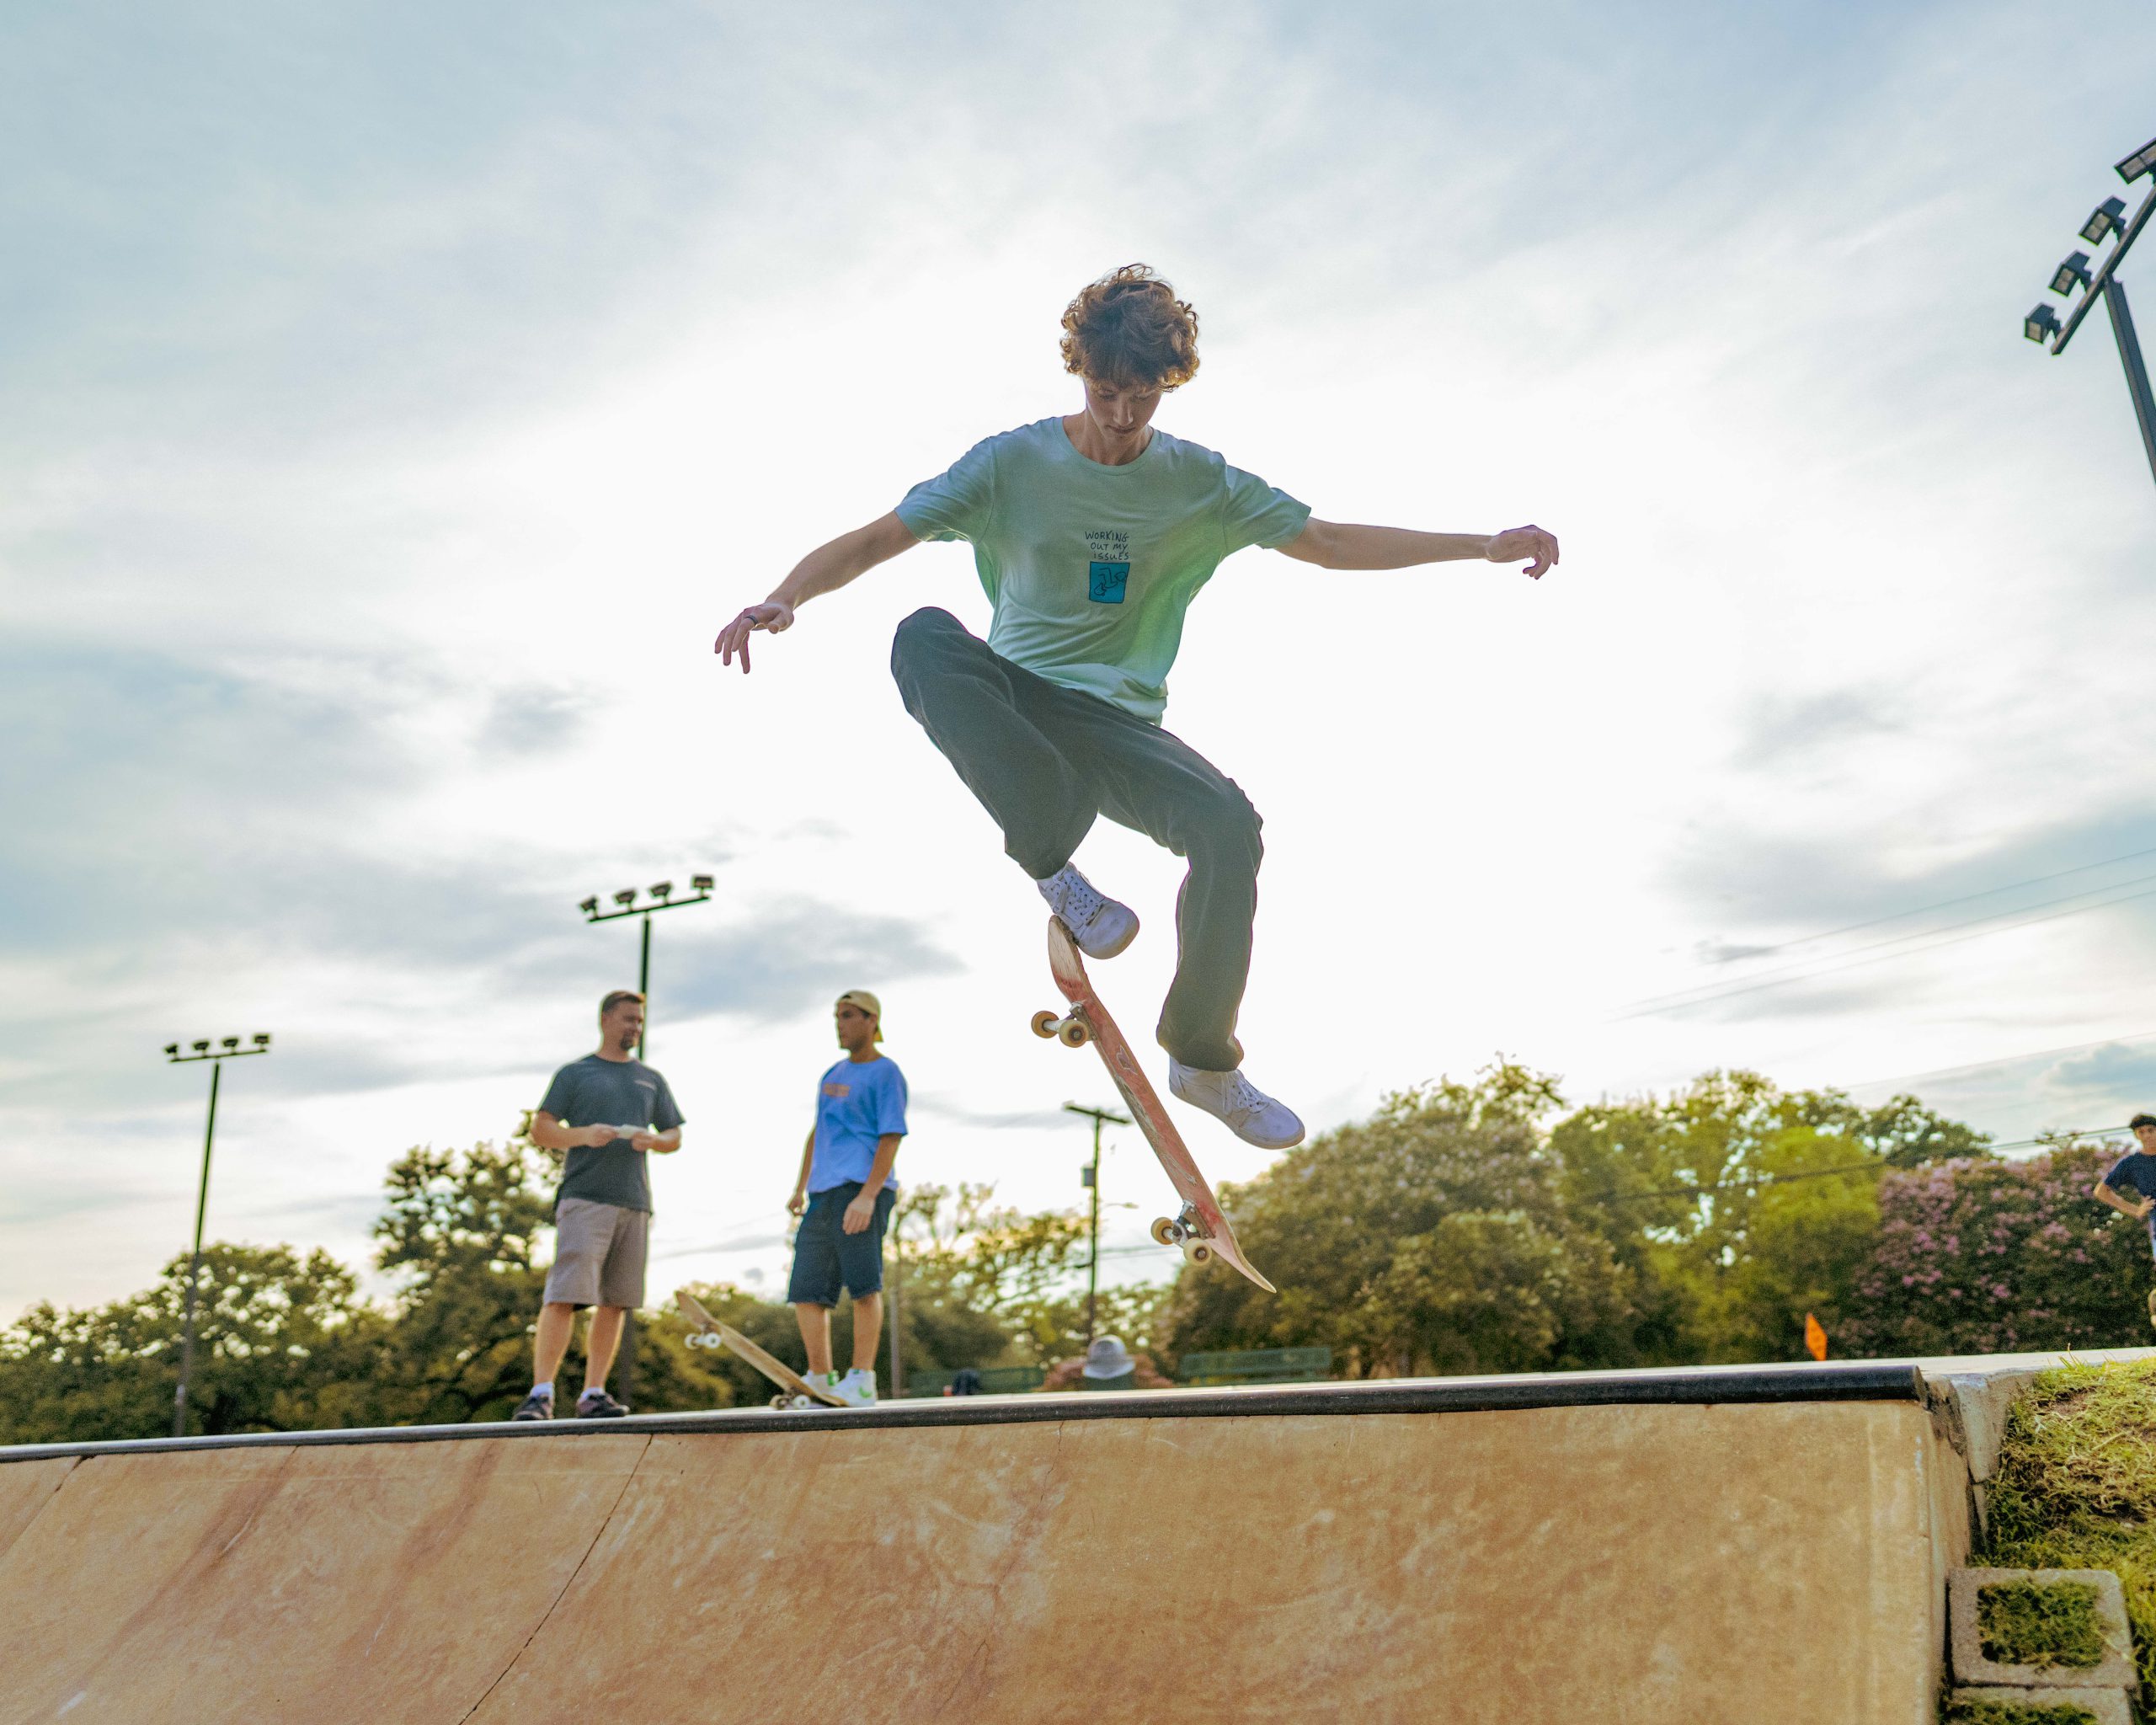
(1998, 1257)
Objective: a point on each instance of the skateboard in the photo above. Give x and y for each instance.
(710, 1332)
(1200, 1230)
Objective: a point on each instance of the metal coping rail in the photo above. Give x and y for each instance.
(1693, 1387)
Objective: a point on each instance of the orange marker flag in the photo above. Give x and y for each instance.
(1815, 1336)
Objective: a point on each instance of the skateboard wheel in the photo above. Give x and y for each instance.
(1074, 1033)
(1045, 1023)
(1167, 1233)
(1197, 1251)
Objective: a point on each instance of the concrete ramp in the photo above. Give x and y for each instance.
(1624, 1547)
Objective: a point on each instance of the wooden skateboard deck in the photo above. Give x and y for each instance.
(716, 1334)
(1201, 1231)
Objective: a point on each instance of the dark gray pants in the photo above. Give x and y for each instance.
(1044, 761)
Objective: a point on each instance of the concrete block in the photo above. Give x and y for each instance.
(1966, 1645)
(1976, 1405)
(2108, 1706)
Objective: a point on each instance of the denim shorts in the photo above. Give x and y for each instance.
(825, 1255)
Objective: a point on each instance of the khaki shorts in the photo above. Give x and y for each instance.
(599, 1254)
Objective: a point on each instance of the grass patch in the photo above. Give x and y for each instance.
(2030, 1623)
(2015, 1713)
(2076, 1485)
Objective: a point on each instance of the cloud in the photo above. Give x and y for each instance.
(1783, 730)
(532, 722)
(2118, 1069)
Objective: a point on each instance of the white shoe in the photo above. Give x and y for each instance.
(1245, 1110)
(1101, 927)
(856, 1389)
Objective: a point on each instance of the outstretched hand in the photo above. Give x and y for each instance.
(1533, 543)
(734, 639)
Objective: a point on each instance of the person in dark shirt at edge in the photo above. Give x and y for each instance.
(2136, 1172)
(607, 1110)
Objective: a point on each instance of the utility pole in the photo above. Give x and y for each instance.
(2107, 221)
(228, 1049)
(662, 899)
(1091, 1174)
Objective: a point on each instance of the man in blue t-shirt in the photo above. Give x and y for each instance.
(2136, 1172)
(1091, 533)
(844, 1198)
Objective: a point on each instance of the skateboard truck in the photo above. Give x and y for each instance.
(1072, 1032)
(1187, 1229)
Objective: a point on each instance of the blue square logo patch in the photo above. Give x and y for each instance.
(1105, 582)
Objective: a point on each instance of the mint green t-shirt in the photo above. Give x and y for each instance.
(1090, 567)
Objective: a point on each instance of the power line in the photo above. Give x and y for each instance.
(1656, 1005)
(1942, 904)
(1877, 1165)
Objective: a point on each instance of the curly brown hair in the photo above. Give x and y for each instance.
(1129, 328)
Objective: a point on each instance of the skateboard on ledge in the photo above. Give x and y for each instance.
(1200, 1230)
(710, 1332)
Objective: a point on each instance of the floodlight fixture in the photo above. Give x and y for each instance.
(628, 896)
(661, 890)
(2139, 163)
(700, 882)
(261, 1038)
(2070, 275)
(2041, 325)
(171, 1050)
(589, 907)
(2105, 221)
(201, 1048)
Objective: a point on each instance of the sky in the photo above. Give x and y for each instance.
(395, 401)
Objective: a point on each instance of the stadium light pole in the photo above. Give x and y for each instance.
(661, 896)
(2108, 222)
(662, 899)
(228, 1049)
(1091, 1175)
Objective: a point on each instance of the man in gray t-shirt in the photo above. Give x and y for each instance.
(1092, 534)
(609, 1111)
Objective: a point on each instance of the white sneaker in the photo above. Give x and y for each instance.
(1245, 1110)
(856, 1389)
(1101, 927)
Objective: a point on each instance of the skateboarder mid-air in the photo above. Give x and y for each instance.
(1092, 532)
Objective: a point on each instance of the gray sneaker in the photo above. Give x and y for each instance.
(597, 1404)
(1238, 1104)
(538, 1405)
(1101, 927)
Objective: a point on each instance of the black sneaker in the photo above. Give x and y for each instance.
(538, 1405)
(597, 1404)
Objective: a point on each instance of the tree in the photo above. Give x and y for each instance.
(1740, 1206)
(1985, 1256)
(282, 1343)
(459, 1233)
(984, 1283)
(1432, 1237)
